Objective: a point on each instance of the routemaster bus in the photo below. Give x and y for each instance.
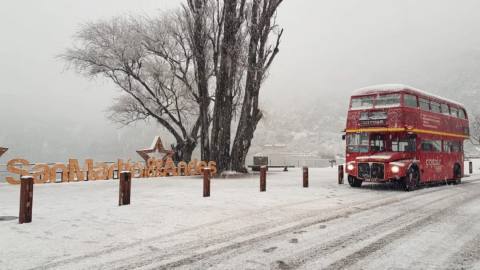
(403, 134)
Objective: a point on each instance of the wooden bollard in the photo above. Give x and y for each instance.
(125, 184)
(305, 177)
(26, 199)
(263, 178)
(470, 167)
(206, 182)
(340, 174)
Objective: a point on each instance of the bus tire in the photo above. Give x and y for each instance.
(354, 182)
(457, 174)
(412, 180)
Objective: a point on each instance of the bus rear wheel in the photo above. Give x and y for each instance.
(457, 174)
(412, 180)
(354, 182)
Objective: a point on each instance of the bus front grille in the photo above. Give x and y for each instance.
(377, 171)
(371, 171)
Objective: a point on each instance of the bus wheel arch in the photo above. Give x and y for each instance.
(354, 182)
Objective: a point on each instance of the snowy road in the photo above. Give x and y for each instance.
(169, 225)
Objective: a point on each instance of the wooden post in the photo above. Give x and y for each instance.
(125, 188)
(26, 199)
(305, 177)
(206, 182)
(470, 167)
(263, 178)
(340, 174)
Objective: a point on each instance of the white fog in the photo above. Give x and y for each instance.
(50, 113)
(287, 134)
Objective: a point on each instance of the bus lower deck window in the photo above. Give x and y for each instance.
(432, 145)
(403, 145)
(357, 143)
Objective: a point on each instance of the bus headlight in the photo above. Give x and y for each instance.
(350, 167)
(395, 169)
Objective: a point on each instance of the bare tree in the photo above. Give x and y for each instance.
(148, 61)
(196, 16)
(174, 67)
(261, 54)
(234, 17)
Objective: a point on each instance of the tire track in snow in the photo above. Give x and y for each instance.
(468, 255)
(336, 213)
(360, 234)
(379, 244)
(248, 242)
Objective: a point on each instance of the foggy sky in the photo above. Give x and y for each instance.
(329, 48)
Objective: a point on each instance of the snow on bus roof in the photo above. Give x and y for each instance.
(377, 89)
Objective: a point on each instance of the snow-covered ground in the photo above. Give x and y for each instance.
(170, 225)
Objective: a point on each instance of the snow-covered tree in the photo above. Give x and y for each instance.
(148, 60)
(193, 71)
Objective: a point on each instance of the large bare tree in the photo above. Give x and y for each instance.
(198, 70)
(149, 61)
(230, 54)
(244, 41)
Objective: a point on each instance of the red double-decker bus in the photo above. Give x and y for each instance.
(399, 133)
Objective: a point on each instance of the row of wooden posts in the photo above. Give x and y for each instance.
(125, 188)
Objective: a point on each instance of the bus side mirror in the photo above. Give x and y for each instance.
(343, 137)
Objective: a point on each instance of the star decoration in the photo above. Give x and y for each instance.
(3, 150)
(156, 148)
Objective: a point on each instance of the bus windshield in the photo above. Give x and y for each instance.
(374, 142)
(357, 143)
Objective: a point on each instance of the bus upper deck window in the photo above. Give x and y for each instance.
(362, 103)
(385, 101)
(435, 107)
(424, 104)
(461, 114)
(453, 112)
(410, 101)
(445, 109)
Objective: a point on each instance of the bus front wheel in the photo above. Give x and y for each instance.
(354, 182)
(411, 181)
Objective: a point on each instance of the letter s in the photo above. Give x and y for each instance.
(11, 168)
